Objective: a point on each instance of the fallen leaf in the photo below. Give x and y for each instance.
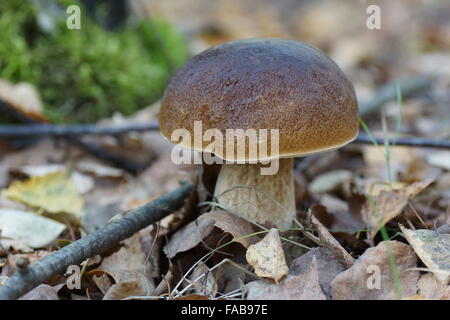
(82, 182)
(230, 278)
(360, 281)
(267, 257)
(329, 181)
(203, 281)
(432, 288)
(103, 282)
(23, 98)
(331, 243)
(74, 296)
(439, 159)
(43, 151)
(433, 248)
(193, 233)
(33, 230)
(130, 257)
(304, 286)
(189, 236)
(344, 219)
(234, 225)
(129, 269)
(53, 193)
(41, 292)
(129, 283)
(382, 206)
(328, 267)
(15, 245)
(99, 169)
(403, 161)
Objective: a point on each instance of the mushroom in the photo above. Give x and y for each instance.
(280, 85)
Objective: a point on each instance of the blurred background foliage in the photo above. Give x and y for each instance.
(87, 74)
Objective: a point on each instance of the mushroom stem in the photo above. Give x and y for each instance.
(264, 199)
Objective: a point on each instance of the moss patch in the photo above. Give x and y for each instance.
(88, 74)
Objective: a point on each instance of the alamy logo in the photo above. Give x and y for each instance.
(374, 280)
(74, 277)
(73, 21)
(374, 19)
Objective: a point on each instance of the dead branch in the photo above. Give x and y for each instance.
(70, 130)
(406, 141)
(103, 239)
(91, 148)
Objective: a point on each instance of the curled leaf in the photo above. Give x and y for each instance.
(267, 257)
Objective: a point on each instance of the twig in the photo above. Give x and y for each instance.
(91, 148)
(407, 141)
(72, 130)
(103, 239)
(101, 153)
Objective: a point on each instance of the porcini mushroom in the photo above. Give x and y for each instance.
(272, 84)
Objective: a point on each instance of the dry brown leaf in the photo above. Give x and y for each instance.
(359, 282)
(103, 282)
(129, 258)
(384, 205)
(432, 288)
(433, 248)
(203, 281)
(192, 234)
(343, 217)
(230, 278)
(234, 225)
(267, 257)
(41, 292)
(304, 286)
(328, 267)
(130, 271)
(189, 236)
(74, 296)
(405, 163)
(129, 283)
(331, 243)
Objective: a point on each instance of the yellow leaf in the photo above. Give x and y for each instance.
(384, 204)
(267, 257)
(53, 193)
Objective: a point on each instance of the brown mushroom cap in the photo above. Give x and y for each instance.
(263, 84)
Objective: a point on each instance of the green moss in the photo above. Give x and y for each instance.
(88, 74)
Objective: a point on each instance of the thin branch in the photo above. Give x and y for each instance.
(93, 149)
(406, 141)
(103, 239)
(102, 153)
(72, 130)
